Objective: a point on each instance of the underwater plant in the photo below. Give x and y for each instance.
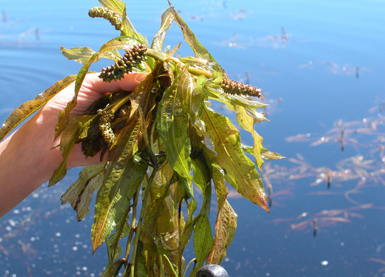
(160, 140)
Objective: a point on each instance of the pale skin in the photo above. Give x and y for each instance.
(28, 156)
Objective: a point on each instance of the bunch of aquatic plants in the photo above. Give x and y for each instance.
(159, 141)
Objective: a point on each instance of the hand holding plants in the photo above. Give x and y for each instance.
(26, 156)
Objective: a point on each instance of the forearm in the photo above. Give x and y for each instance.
(26, 162)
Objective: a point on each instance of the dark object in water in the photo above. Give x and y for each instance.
(212, 270)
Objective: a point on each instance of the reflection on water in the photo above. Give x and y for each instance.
(324, 59)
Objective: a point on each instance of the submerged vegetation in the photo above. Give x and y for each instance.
(160, 140)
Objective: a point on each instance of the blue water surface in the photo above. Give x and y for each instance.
(321, 66)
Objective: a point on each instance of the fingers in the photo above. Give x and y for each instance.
(128, 83)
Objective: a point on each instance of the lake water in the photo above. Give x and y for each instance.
(321, 65)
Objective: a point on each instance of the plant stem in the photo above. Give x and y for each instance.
(133, 223)
(135, 260)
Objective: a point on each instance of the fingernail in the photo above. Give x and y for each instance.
(140, 76)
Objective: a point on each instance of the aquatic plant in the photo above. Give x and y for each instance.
(161, 139)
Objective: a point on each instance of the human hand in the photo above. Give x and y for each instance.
(92, 89)
(28, 157)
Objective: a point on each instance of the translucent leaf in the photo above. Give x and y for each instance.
(240, 171)
(119, 7)
(270, 156)
(125, 43)
(217, 176)
(29, 107)
(113, 247)
(123, 177)
(172, 127)
(68, 139)
(166, 242)
(247, 123)
(215, 92)
(199, 50)
(225, 227)
(203, 239)
(167, 19)
(116, 6)
(201, 172)
(83, 54)
(265, 153)
(113, 268)
(141, 96)
(189, 225)
(79, 194)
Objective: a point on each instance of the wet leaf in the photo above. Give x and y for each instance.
(124, 43)
(189, 225)
(215, 91)
(172, 127)
(202, 175)
(113, 268)
(113, 247)
(123, 176)
(79, 194)
(167, 19)
(116, 6)
(199, 50)
(270, 156)
(166, 243)
(225, 227)
(119, 7)
(240, 171)
(70, 135)
(203, 239)
(247, 123)
(29, 107)
(83, 54)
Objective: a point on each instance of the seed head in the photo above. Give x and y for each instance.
(131, 59)
(107, 14)
(232, 87)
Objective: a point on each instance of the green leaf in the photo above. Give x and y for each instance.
(247, 123)
(189, 225)
(70, 135)
(113, 247)
(116, 6)
(166, 242)
(225, 227)
(113, 268)
(265, 153)
(167, 19)
(83, 54)
(172, 127)
(270, 156)
(120, 8)
(199, 50)
(79, 194)
(217, 176)
(240, 171)
(122, 179)
(203, 239)
(201, 172)
(29, 107)
(214, 91)
(125, 43)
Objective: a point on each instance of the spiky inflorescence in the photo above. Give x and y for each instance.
(131, 58)
(107, 14)
(105, 126)
(232, 87)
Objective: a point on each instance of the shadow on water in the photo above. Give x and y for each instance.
(320, 67)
